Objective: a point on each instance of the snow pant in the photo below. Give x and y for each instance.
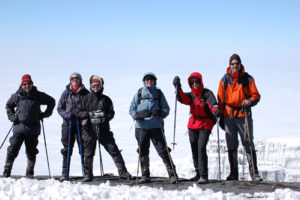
(65, 139)
(143, 137)
(106, 138)
(233, 126)
(198, 141)
(16, 141)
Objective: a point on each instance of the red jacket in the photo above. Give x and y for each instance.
(202, 104)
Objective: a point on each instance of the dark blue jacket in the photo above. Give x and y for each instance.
(25, 108)
(69, 101)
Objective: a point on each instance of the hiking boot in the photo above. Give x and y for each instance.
(62, 179)
(202, 180)
(126, 176)
(233, 162)
(87, 179)
(173, 179)
(252, 160)
(144, 179)
(30, 167)
(195, 178)
(7, 167)
(29, 176)
(257, 178)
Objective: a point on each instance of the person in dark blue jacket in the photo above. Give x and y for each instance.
(68, 107)
(149, 107)
(24, 110)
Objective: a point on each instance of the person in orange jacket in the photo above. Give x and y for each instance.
(236, 95)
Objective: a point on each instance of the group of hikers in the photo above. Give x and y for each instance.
(86, 115)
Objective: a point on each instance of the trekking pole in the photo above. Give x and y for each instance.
(243, 169)
(219, 154)
(100, 155)
(7, 135)
(169, 155)
(173, 143)
(46, 148)
(68, 155)
(80, 149)
(139, 158)
(247, 134)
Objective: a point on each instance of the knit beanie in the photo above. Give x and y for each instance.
(236, 57)
(76, 74)
(26, 78)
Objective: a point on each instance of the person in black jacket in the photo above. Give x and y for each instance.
(67, 108)
(96, 110)
(23, 109)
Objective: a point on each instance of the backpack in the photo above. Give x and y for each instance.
(140, 96)
(206, 108)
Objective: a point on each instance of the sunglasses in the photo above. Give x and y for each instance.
(95, 86)
(75, 78)
(232, 64)
(195, 81)
(149, 79)
(24, 84)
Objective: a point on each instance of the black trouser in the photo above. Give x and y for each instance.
(143, 137)
(73, 135)
(16, 141)
(107, 140)
(198, 140)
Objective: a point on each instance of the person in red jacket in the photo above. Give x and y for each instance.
(203, 110)
(236, 95)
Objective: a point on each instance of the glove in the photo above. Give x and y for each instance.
(217, 113)
(42, 115)
(68, 116)
(141, 115)
(97, 117)
(156, 112)
(176, 82)
(13, 118)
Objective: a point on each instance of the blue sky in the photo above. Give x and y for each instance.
(121, 40)
(145, 34)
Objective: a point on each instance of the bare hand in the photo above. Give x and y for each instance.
(246, 103)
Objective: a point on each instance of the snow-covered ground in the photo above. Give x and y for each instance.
(50, 189)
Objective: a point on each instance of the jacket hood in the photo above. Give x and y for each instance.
(149, 74)
(197, 92)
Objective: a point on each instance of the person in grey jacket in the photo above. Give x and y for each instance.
(68, 107)
(24, 110)
(149, 107)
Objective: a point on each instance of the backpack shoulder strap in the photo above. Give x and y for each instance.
(139, 95)
(225, 82)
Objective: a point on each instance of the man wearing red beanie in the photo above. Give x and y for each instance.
(24, 110)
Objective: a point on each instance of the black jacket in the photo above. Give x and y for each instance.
(24, 109)
(94, 102)
(69, 101)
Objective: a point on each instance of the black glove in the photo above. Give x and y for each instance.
(141, 115)
(42, 115)
(156, 112)
(68, 116)
(13, 118)
(217, 113)
(176, 82)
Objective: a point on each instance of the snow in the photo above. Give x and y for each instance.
(51, 189)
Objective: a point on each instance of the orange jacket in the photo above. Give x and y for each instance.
(240, 86)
